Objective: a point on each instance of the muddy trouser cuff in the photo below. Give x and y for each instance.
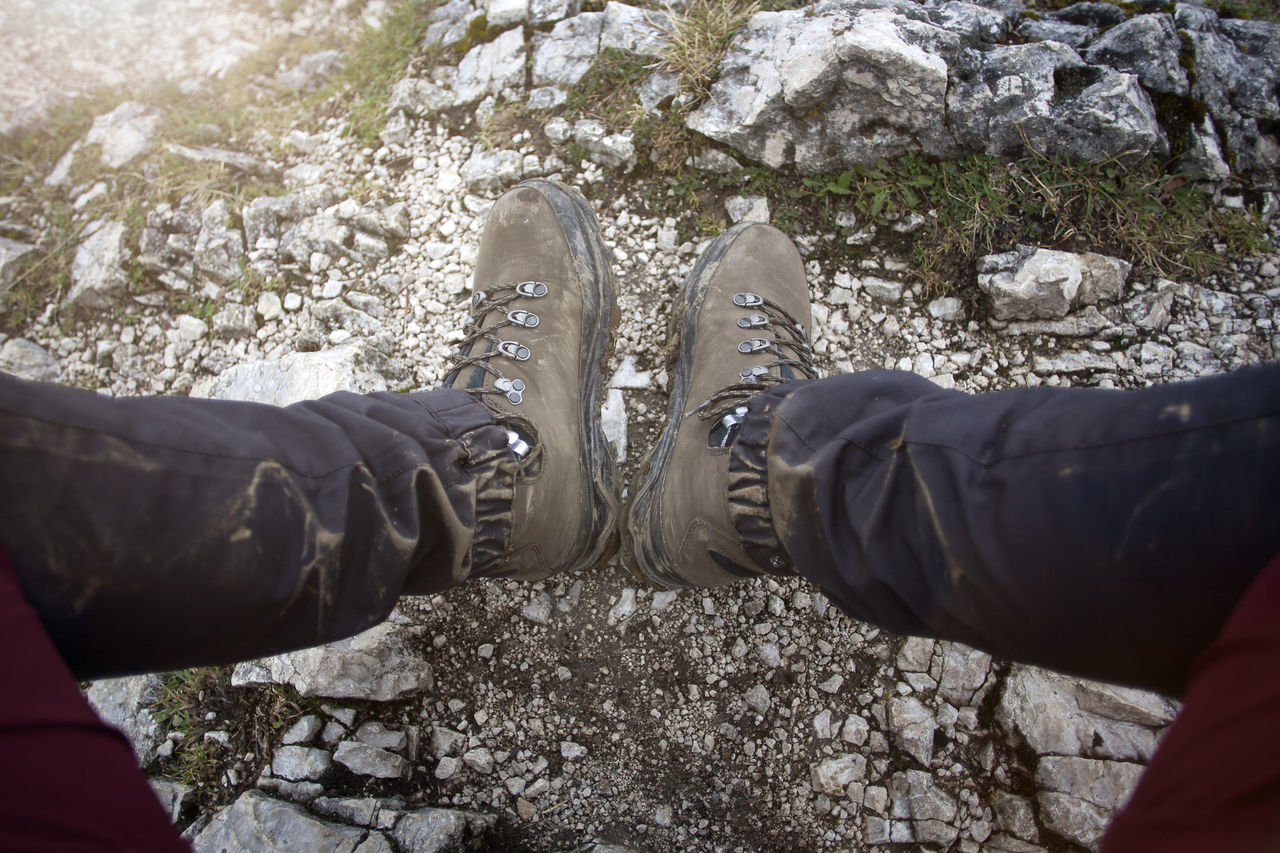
(1103, 533)
(165, 532)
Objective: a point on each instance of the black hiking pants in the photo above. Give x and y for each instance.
(1104, 533)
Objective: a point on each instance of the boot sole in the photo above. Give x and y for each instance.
(598, 540)
(650, 560)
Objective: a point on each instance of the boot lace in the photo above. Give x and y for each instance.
(481, 344)
(774, 333)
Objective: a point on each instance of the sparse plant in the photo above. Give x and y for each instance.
(697, 39)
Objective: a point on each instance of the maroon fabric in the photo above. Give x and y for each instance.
(68, 781)
(1214, 782)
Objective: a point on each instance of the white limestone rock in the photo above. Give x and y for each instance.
(913, 726)
(1033, 283)
(1058, 715)
(97, 272)
(300, 763)
(11, 252)
(126, 704)
(366, 760)
(256, 822)
(634, 30)
(563, 56)
(833, 775)
(381, 664)
(125, 134)
(489, 68)
(28, 360)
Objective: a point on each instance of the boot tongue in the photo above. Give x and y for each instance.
(726, 431)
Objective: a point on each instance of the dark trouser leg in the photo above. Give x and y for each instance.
(158, 533)
(1104, 533)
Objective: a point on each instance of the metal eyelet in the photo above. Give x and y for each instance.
(514, 349)
(749, 374)
(747, 300)
(513, 388)
(521, 317)
(531, 289)
(753, 345)
(753, 321)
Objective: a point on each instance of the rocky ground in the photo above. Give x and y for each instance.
(593, 709)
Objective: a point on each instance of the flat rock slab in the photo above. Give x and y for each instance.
(125, 703)
(355, 367)
(28, 360)
(379, 665)
(256, 823)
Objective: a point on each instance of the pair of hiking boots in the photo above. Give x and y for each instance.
(534, 351)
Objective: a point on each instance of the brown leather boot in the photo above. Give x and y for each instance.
(742, 327)
(540, 331)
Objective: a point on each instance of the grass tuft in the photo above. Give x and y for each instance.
(698, 38)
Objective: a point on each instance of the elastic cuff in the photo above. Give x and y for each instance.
(491, 468)
(748, 493)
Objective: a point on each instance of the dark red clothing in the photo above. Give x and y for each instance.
(68, 781)
(1214, 783)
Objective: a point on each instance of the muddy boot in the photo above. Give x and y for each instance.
(743, 326)
(540, 331)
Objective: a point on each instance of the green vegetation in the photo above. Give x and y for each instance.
(378, 60)
(239, 107)
(979, 205)
(698, 38)
(970, 207)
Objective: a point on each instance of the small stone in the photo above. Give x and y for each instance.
(190, 329)
(234, 321)
(881, 290)
(832, 684)
(378, 735)
(571, 751)
(831, 776)
(854, 730)
(447, 767)
(747, 209)
(445, 741)
(538, 608)
(525, 809)
(625, 606)
(28, 360)
(662, 600)
(913, 727)
(758, 699)
(292, 301)
(479, 760)
(299, 763)
(303, 731)
(269, 306)
(948, 309)
(369, 760)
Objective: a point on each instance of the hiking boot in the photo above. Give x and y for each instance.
(540, 331)
(742, 327)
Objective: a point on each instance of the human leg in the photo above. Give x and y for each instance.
(164, 532)
(1104, 533)
(156, 533)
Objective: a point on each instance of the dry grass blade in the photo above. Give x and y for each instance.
(698, 38)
